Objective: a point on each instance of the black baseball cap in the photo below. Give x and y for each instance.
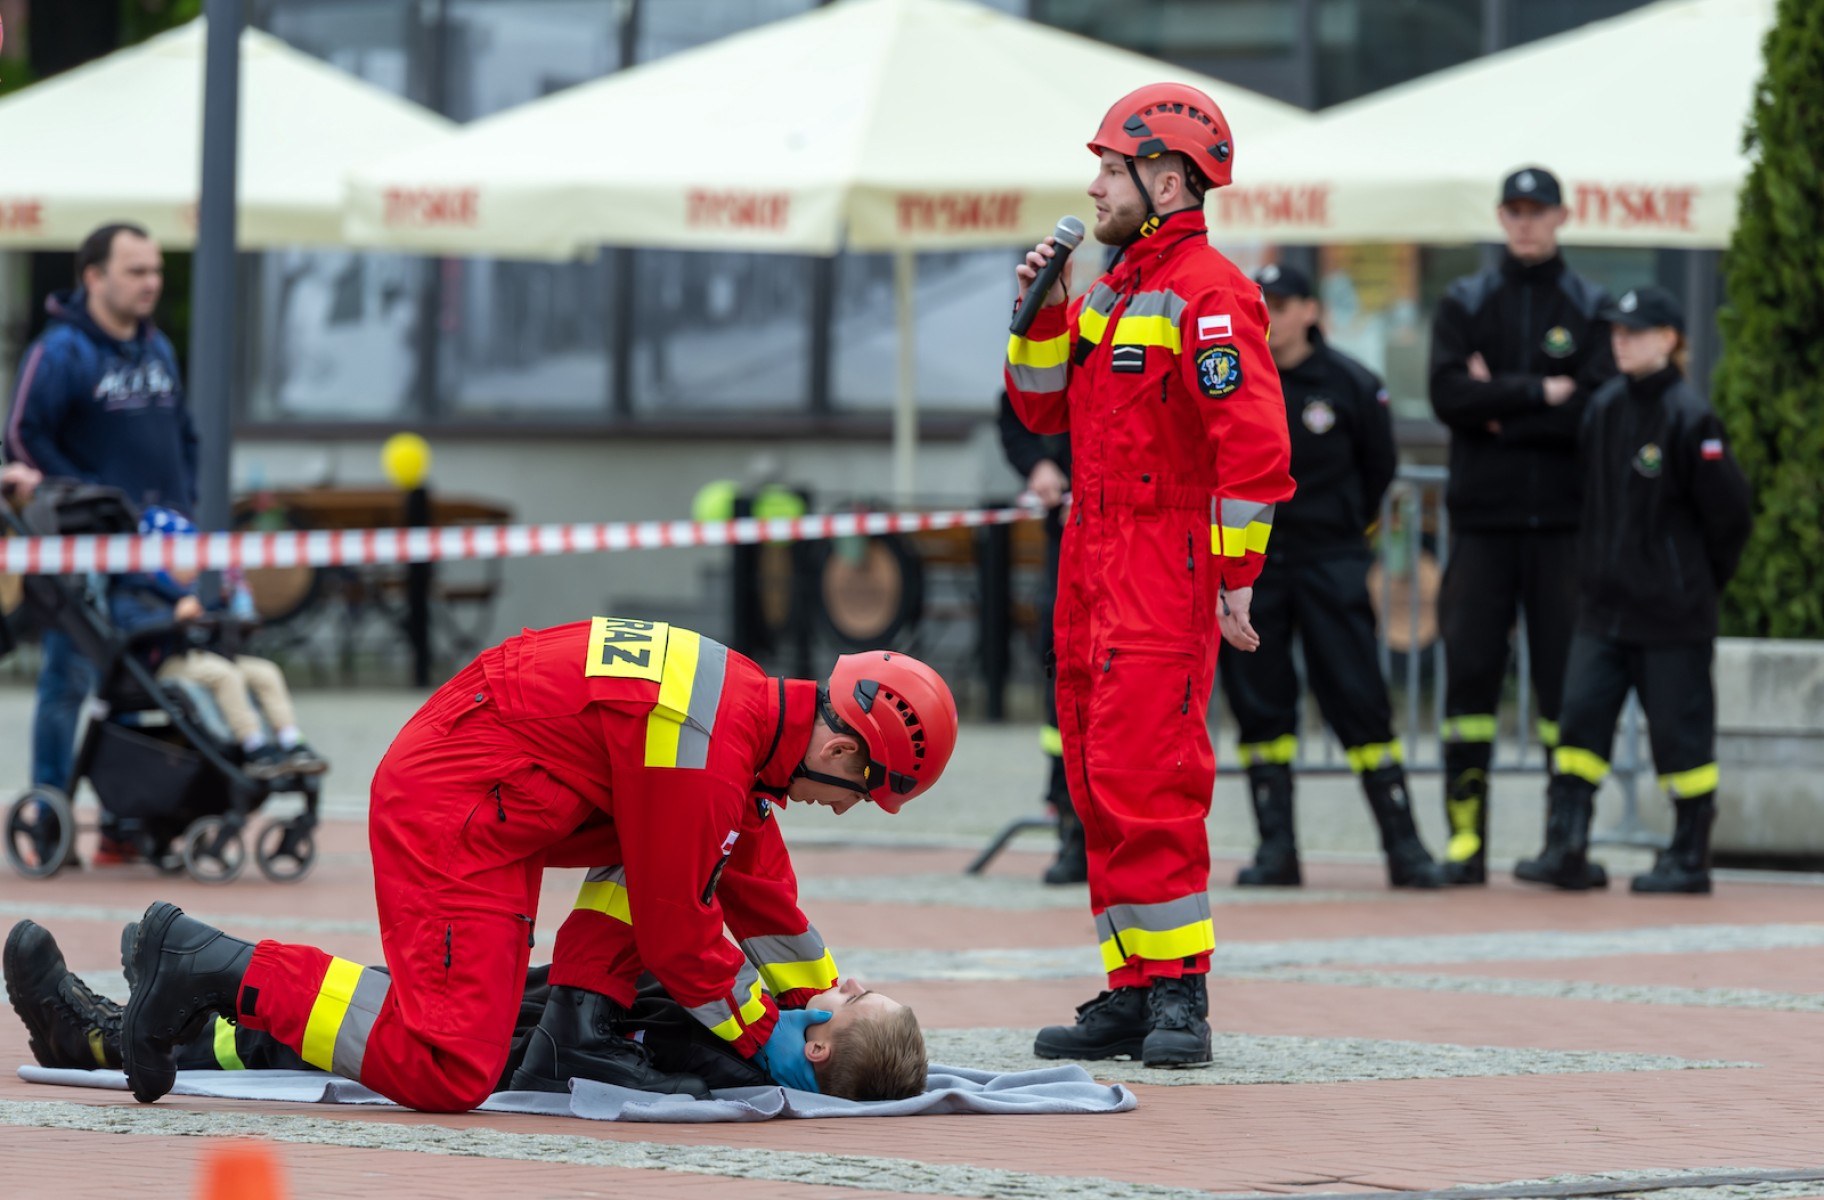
(1646, 308)
(1286, 282)
(1532, 183)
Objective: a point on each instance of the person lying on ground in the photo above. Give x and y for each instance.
(869, 1048)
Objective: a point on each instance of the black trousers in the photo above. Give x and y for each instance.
(1492, 577)
(1676, 691)
(1324, 603)
(1050, 740)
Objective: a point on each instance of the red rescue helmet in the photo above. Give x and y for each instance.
(1166, 118)
(905, 716)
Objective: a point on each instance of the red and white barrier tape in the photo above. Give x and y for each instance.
(116, 554)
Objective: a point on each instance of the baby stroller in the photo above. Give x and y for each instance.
(158, 755)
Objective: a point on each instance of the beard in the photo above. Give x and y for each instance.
(1118, 226)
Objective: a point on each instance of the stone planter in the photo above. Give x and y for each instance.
(1769, 748)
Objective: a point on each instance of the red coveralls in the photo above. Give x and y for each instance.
(1161, 376)
(608, 741)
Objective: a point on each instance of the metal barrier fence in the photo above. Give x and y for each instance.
(1412, 550)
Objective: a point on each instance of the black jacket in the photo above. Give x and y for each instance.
(1024, 448)
(1527, 322)
(1666, 512)
(1342, 454)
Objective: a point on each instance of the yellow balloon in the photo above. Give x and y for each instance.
(715, 501)
(406, 459)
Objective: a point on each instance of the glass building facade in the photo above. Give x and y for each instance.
(344, 337)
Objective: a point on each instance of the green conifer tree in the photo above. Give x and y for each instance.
(1769, 383)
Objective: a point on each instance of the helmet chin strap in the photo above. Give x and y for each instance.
(1150, 226)
(836, 725)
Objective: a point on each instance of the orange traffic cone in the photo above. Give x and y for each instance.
(242, 1171)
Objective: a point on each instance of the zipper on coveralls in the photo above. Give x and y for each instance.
(449, 933)
(500, 809)
(528, 921)
(1106, 666)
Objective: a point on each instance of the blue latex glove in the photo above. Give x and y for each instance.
(783, 1054)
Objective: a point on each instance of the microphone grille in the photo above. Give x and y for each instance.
(1069, 232)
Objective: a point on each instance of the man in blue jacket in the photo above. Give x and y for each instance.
(99, 399)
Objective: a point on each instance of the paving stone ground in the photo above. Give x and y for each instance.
(1502, 1040)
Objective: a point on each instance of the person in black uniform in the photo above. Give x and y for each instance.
(1316, 584)
(1516, 352)
(1666, 513)
(1044, 461)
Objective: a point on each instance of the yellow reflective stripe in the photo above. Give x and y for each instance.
(1235, 541)
(227, 1057)
(1051, 741)
(1476, 727)
(1581, 763)
(1158, 945)
(751, 1011)
(1148, 331)
(1091, 325)
(319, 1048)
(606, 897)
(1548, 733)
(1374, 756)
(666, 721)
(1282, 749)
(1052, 352)
(1682, 785)
(1465, 824)
(781, 977)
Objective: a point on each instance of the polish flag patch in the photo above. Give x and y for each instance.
(1216, 328)
(1711, 449)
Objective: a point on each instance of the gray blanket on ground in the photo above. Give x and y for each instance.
(1066, 1089)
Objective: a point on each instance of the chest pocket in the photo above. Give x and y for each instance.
(690, 670)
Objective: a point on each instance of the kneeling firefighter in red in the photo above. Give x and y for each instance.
(1161, 376)
(646, 751)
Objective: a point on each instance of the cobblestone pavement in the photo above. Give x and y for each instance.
(1484, 1045)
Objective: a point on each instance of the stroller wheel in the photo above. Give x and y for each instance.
(285, 850)
(40, 833)
(214, 851)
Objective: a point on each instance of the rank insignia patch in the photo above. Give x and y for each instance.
(1218, 371)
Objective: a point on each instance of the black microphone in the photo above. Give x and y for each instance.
(1069, 235)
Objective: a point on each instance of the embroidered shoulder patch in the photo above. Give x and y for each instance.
(1218, 371)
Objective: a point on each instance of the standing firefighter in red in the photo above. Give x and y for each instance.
(1162, 377)
(608, 741)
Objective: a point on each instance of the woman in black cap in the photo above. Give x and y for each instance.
(1666, 513)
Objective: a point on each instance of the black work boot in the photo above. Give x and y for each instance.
(1564, 861)
(1276, 861)
(67, 1025)
(1466, 808)
(580, 1036)
(1113, 1025)
(184, 972)
(1409, 864)
(1684, 866)
(1180, 1010)
(1072, 863)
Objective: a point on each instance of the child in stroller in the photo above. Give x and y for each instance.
(160, 757)
(138, 602)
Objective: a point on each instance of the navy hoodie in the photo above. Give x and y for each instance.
(109, 412)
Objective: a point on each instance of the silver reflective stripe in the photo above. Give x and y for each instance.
(718, 1011)
(1156, 304)
(805, 947)
(1105, 927)
(358, 1023)
(1155, 918)
(1239, 514)
(705, 699)
(1101, 298)
(1039, 379)
(614, 874)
